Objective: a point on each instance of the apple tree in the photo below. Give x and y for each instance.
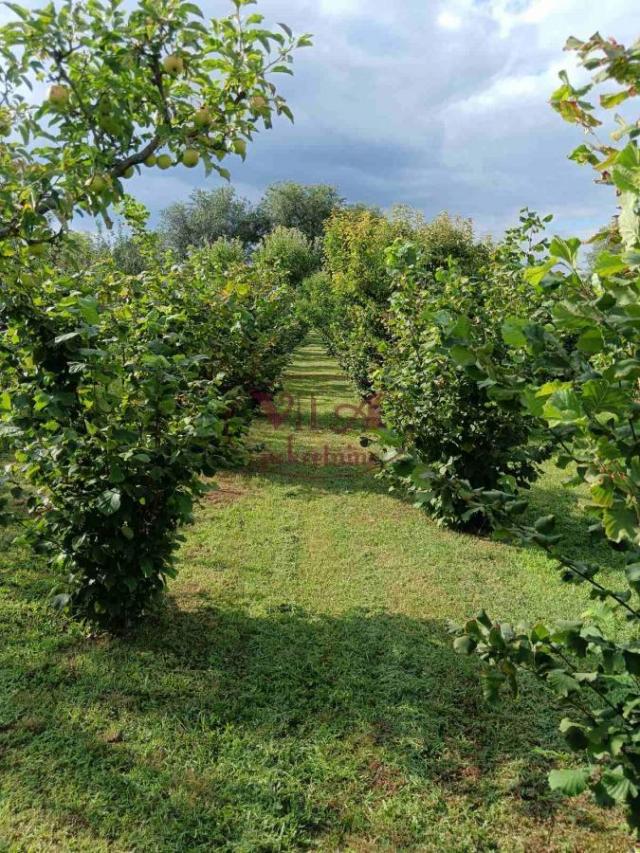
(91, 93)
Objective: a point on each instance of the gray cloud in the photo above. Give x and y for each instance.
(437, 105)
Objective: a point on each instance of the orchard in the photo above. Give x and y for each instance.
(264, 461)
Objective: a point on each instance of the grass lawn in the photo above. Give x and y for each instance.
(299, 689)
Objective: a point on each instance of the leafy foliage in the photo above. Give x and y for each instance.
(118, 389)
(449, 438)
(288, 250)
(210, 216)
(113, 418)
(396, 284)
(122, 89)
(354, 244)
(253, 323)
(588, 404)
(292, 205)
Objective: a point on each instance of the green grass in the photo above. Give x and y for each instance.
(299, 689)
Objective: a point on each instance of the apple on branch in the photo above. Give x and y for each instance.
(191, 158)
(173, 64)
(58, 96)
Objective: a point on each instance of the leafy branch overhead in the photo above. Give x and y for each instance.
(125, 90)
(575, 370)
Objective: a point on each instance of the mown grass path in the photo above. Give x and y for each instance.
(299, 690)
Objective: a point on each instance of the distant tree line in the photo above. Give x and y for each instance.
(221, 214)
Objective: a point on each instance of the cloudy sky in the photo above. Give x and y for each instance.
(439, 104)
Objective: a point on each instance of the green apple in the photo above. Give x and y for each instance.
(257, 103)
(173, 64)
(37, 249)
(5, 122)
(58, 96)
(164, 161)
(191, 158)
(129, 173)
(202, 117)
(97, 184)
(151, 160)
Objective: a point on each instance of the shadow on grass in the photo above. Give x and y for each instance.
(237, 730)
(573, 524)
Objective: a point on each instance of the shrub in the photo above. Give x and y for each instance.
(288, 250)
(113, 420)
(395, 285)
(355, 243)
(316, 305)
(226, 254)
(253, 322)
(449, 437)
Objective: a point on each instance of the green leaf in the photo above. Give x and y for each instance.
(608, 264)
(584, 154)
(629, 221)
(109, 502)
(612, 100)
(69, 336)
(512, 332)
(618, 786)
(546, 524)
(620, 523)
(462, 355)
(574, 734)
(591, 341)
(562, 683)
(464, 645)
(633, 576)
(89, 310)
(565, 249)
(389, 438)
(571, 783)
(534, 275)
(563, 407)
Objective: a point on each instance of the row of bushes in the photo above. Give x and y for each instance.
(122, 392)
(489, 357)
(124, 384)
(391, 290)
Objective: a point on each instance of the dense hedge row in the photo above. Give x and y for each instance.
(124, 390)
(390, 290)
